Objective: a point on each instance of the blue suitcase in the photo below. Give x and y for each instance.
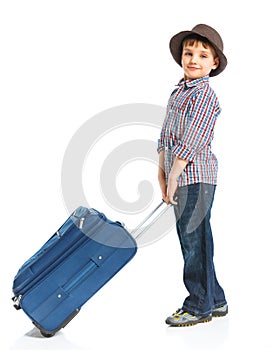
(83, 255)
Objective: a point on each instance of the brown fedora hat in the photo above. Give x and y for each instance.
(206, 32)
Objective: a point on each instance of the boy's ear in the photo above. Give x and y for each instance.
(216, 63)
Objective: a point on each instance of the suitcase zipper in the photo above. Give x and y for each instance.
(81, 221)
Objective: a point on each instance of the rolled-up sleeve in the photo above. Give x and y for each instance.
(160, 146)
(199, 127)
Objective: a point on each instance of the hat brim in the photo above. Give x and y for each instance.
(176, 50)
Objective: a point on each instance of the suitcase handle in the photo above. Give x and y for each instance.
(136, 235)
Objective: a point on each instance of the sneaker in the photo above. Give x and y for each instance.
(220, 311)
(181, 318)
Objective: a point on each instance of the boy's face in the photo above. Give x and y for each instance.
(198, 61)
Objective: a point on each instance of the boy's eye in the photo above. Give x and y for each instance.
(188, 54)
(204, 56)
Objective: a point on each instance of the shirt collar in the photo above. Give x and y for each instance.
(192, 83)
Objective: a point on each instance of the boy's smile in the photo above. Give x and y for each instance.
(198, 61)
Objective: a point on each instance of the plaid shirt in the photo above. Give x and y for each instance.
(188, 130)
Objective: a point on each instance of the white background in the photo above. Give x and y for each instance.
(63, 62)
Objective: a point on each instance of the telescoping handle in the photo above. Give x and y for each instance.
(135, 234)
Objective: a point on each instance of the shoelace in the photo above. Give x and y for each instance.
(180, 312)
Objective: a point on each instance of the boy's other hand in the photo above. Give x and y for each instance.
(163, 186)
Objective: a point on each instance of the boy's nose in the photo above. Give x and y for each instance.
(194, 59)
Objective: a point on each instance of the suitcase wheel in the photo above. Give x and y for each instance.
(47, 335)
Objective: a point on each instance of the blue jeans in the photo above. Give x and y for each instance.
(193, 213)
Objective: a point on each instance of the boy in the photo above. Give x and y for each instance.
(188, 169)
